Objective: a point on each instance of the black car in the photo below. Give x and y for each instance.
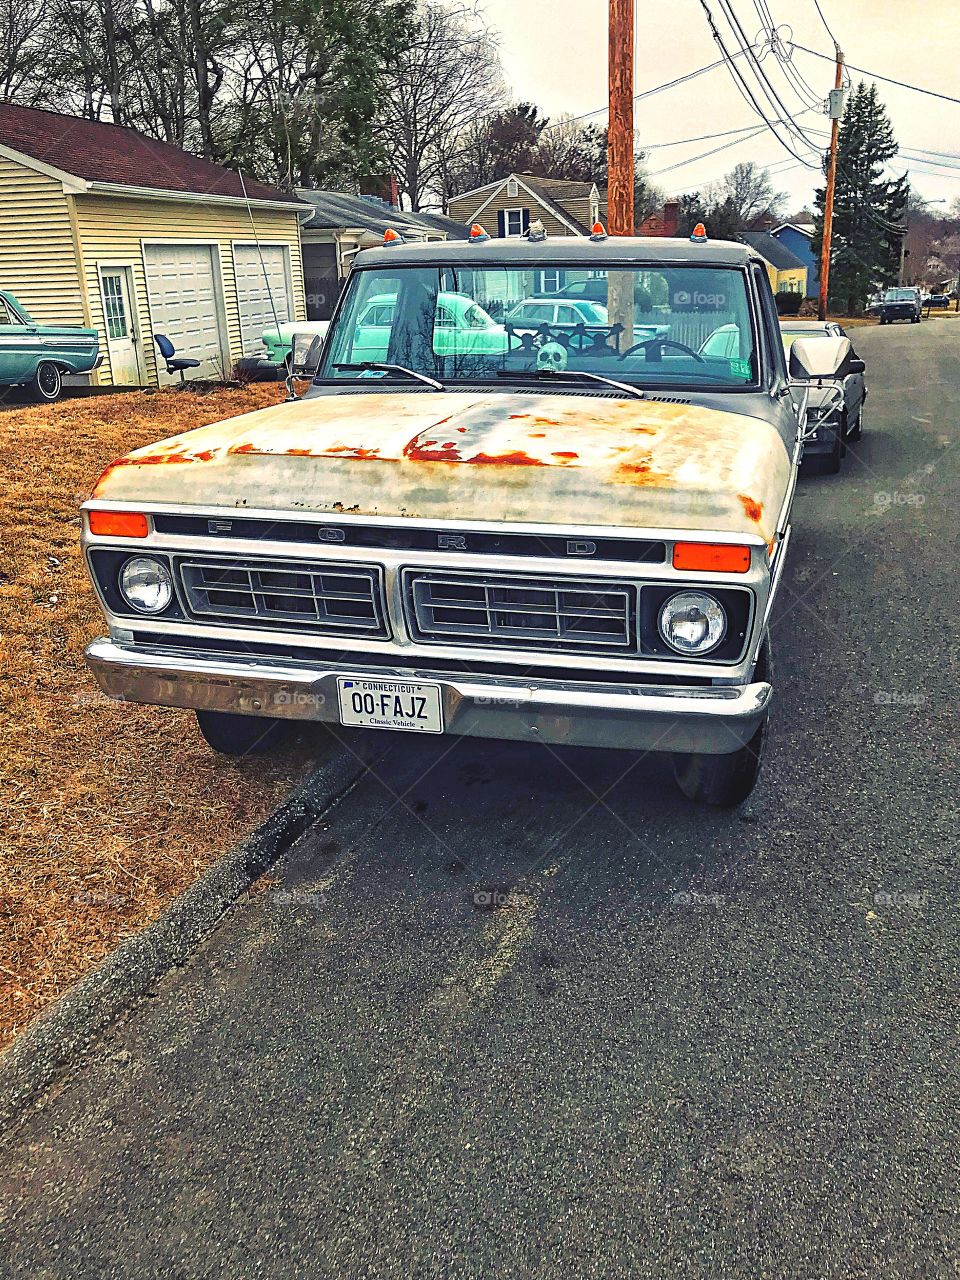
(900, 304)
(939, 300)
(593, 289)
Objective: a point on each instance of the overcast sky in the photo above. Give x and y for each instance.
(555, 54)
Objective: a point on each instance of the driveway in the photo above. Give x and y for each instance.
(522, 1012)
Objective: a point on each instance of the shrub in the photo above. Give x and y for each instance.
(788, 304)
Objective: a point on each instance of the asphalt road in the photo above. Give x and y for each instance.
(518, 1012)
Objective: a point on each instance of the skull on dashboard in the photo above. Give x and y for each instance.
(552, 357)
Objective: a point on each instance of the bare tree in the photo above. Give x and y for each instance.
(24, 38)
(751, 192)
(446, 79)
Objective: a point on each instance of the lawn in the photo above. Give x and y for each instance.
(111, 810)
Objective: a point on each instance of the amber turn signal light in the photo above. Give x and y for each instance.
(711, 557)
(119, 524)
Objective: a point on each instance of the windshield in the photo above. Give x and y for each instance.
(901, 295)
(640, 325)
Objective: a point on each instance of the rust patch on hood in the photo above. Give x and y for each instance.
(754, 510)
(431, 451)
(515, 459)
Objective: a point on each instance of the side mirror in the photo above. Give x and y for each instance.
(814, 358)
(856, 365)
(305, 354)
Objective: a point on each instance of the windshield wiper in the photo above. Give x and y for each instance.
(361, 365)
(581, 375)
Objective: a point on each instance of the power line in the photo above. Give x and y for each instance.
(646, 93)
(826, 24)
(744, 87)
(875, 75)
(781, 111)
(703, 156)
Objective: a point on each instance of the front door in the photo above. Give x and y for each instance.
(118, 314)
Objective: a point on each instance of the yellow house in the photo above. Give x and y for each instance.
(787, 273)
(103, 227)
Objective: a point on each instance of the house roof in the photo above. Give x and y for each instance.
(552, 193)
(804, 228)
(333, 209)
(97, 152)
(775, 252)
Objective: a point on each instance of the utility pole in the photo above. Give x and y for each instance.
(620, 128)
(836, 110)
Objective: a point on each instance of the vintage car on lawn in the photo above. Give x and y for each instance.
(831, 420)
(36, 356)
(487, 541)
(278, 342)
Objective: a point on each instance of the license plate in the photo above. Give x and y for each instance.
(390, 704)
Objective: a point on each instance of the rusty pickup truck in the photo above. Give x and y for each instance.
(480, 520)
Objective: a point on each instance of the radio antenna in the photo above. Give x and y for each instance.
(291, 389)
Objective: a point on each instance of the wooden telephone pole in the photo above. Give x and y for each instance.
(620, 128)
(835, 112)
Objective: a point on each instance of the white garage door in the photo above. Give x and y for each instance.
(253, 295)
(183, 291)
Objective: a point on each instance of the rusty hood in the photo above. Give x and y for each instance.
(553, 459)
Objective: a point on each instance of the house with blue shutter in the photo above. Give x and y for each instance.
(798, 238)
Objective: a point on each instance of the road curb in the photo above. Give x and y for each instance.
(60, 1036)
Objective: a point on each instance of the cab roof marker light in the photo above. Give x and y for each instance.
(699, 234)
(536, 232)
(392, 237)
(599, 232)
(477, 234)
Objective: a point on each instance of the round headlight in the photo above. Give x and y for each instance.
(146, 584)
(692, 622)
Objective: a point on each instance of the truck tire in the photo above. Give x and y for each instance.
(235, 735)
(47, 383)
(726, 781)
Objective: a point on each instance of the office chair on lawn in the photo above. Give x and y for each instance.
(175, 363)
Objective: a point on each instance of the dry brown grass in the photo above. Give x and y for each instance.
(110, 810)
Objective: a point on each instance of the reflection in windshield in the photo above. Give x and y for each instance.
(638, 325)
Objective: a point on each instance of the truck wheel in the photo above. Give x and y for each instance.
(236, 735)
(47, 383)
(726, 781)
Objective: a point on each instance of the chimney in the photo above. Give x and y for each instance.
(671, 217)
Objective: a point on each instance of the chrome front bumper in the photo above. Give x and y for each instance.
(714, 720)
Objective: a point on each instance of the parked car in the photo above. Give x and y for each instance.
(939, 300)
(36, 356)
(833, 421)
(900, 304)
(278, 343)
(585, 554)
(552, 310)
(460, 328)
(592, 289)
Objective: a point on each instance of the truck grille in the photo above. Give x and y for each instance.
(521, 613)
(340, 599)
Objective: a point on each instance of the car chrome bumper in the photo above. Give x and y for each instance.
(715, 720)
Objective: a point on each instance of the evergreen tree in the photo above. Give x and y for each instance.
(868, 209)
